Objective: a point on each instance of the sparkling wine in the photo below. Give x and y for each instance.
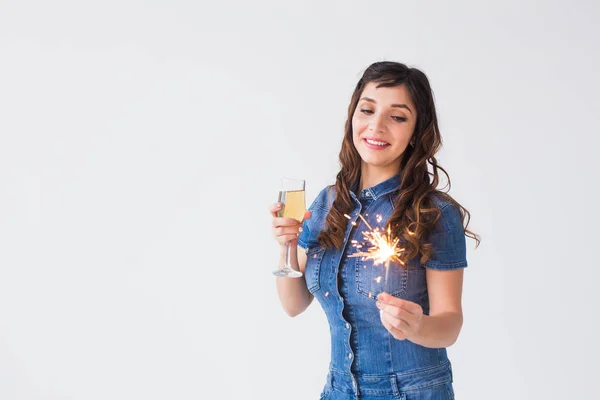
(294, 204)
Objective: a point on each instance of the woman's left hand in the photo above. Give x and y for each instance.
(402, 318)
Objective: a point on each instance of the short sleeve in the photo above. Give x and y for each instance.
(312, 227)
(448, 240)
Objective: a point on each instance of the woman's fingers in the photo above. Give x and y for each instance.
(286, 229)
(291, 239)
(397, 323)
(285, 238)
(274, 208)
(396, 333)
(285, 222)
(286, 233)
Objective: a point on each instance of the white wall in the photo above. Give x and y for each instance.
(141, 143)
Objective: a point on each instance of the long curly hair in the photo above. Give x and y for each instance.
(415, 214)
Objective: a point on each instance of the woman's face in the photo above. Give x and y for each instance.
(383, 124)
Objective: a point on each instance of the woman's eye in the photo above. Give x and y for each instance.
(369, 112)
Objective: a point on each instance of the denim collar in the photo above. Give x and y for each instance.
(381, 189)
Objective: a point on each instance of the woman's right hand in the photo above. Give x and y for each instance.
(286, 229)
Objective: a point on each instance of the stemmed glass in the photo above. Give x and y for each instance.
(294, 205)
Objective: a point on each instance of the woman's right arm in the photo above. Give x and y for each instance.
(293, 292)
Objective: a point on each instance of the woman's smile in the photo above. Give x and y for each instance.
(375, 144)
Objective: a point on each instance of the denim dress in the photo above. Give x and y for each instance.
(367, 362)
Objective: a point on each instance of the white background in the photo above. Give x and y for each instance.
(142, 141)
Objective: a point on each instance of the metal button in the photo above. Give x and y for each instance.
(368, 194)
(349, 355)
(347, 325)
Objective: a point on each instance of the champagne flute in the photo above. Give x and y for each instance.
(294, 205)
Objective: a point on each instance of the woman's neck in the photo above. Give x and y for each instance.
(371, 176)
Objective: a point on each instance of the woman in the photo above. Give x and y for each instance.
(385, 344)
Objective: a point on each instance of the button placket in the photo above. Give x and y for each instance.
(349, 351)
(355, 386)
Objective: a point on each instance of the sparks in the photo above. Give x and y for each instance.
(384, 248)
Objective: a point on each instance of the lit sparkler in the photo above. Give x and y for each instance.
(383, 247)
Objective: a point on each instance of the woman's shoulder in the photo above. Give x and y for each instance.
(441, 199)
(324, 199)
(319, 209)
(448, 236)
(438, 198)
(450, 213)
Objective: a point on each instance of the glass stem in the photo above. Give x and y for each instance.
(287, 256)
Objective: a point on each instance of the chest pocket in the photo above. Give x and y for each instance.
(371, 279)
(314, 259)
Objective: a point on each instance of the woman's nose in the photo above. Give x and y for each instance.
(375, 126)
(376, 123)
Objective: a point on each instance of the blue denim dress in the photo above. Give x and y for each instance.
(367, 362)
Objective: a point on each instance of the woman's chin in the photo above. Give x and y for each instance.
(375, 163)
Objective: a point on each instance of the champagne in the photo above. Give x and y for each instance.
(294, 204)
(291, 196)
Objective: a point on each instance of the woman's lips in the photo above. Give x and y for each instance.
(375, 146)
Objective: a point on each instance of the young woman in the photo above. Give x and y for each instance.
(384, 344)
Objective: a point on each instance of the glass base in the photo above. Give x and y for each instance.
(287, 273)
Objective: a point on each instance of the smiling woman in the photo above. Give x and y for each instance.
(386, 344)
(383, 119)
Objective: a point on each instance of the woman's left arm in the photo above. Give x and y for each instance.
(405, 319)
(444, 275)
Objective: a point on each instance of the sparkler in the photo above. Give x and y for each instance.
(383, 247)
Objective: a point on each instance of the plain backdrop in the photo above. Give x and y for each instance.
(141, 143)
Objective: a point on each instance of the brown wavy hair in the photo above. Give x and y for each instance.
(414, 215)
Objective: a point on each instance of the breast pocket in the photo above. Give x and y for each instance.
(314, 259)
(371, 279)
